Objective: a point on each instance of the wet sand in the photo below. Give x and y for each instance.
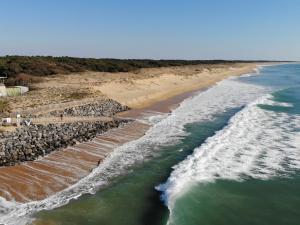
(38, 179)
(53, 173)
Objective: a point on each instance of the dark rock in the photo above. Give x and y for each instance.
(28, 143)
(105, 108)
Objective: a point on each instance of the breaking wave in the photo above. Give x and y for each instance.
(166, 130)
(256, 143)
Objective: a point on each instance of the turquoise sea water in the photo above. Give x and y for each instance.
(132, 199)
(229, 155)
(266, 190)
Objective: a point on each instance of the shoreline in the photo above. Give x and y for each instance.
(168, 85)
(30, 178)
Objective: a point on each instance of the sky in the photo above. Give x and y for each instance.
(156, 29)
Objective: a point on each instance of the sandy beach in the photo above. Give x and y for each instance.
(139, 93)
(135, 89)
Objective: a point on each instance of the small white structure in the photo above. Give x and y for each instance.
(3, 92)
(23, 89)
(12, 91)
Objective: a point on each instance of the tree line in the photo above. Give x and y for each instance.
(48, 65)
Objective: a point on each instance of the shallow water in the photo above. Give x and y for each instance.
(132, 199)
(229, 155)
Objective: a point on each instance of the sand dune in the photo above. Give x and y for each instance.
(138, 93)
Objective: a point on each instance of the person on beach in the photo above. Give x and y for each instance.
(61, 117)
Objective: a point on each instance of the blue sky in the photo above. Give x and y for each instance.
(202, 29)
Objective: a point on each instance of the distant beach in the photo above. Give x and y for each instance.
(163, 83)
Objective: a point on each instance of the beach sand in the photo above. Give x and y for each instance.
(135, 89)
(139, 93)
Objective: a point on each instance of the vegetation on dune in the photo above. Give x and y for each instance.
(13, 66)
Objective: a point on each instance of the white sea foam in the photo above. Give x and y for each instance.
(256, 143)
(165, 131)
(255, 73)
(282, 104)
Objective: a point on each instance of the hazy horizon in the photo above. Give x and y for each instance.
(124, 58)
(204, 30)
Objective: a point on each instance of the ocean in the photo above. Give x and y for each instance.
(227, 155)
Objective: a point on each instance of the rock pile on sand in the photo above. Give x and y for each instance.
(28, 143)
(105, 108)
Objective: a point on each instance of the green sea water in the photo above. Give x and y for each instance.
(252, 178)
(251, 202)
(271, 200)
(132, 199)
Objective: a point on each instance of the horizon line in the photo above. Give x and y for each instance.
(154, 59)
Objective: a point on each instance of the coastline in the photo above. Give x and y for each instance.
(36, 173)
(167, 85)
